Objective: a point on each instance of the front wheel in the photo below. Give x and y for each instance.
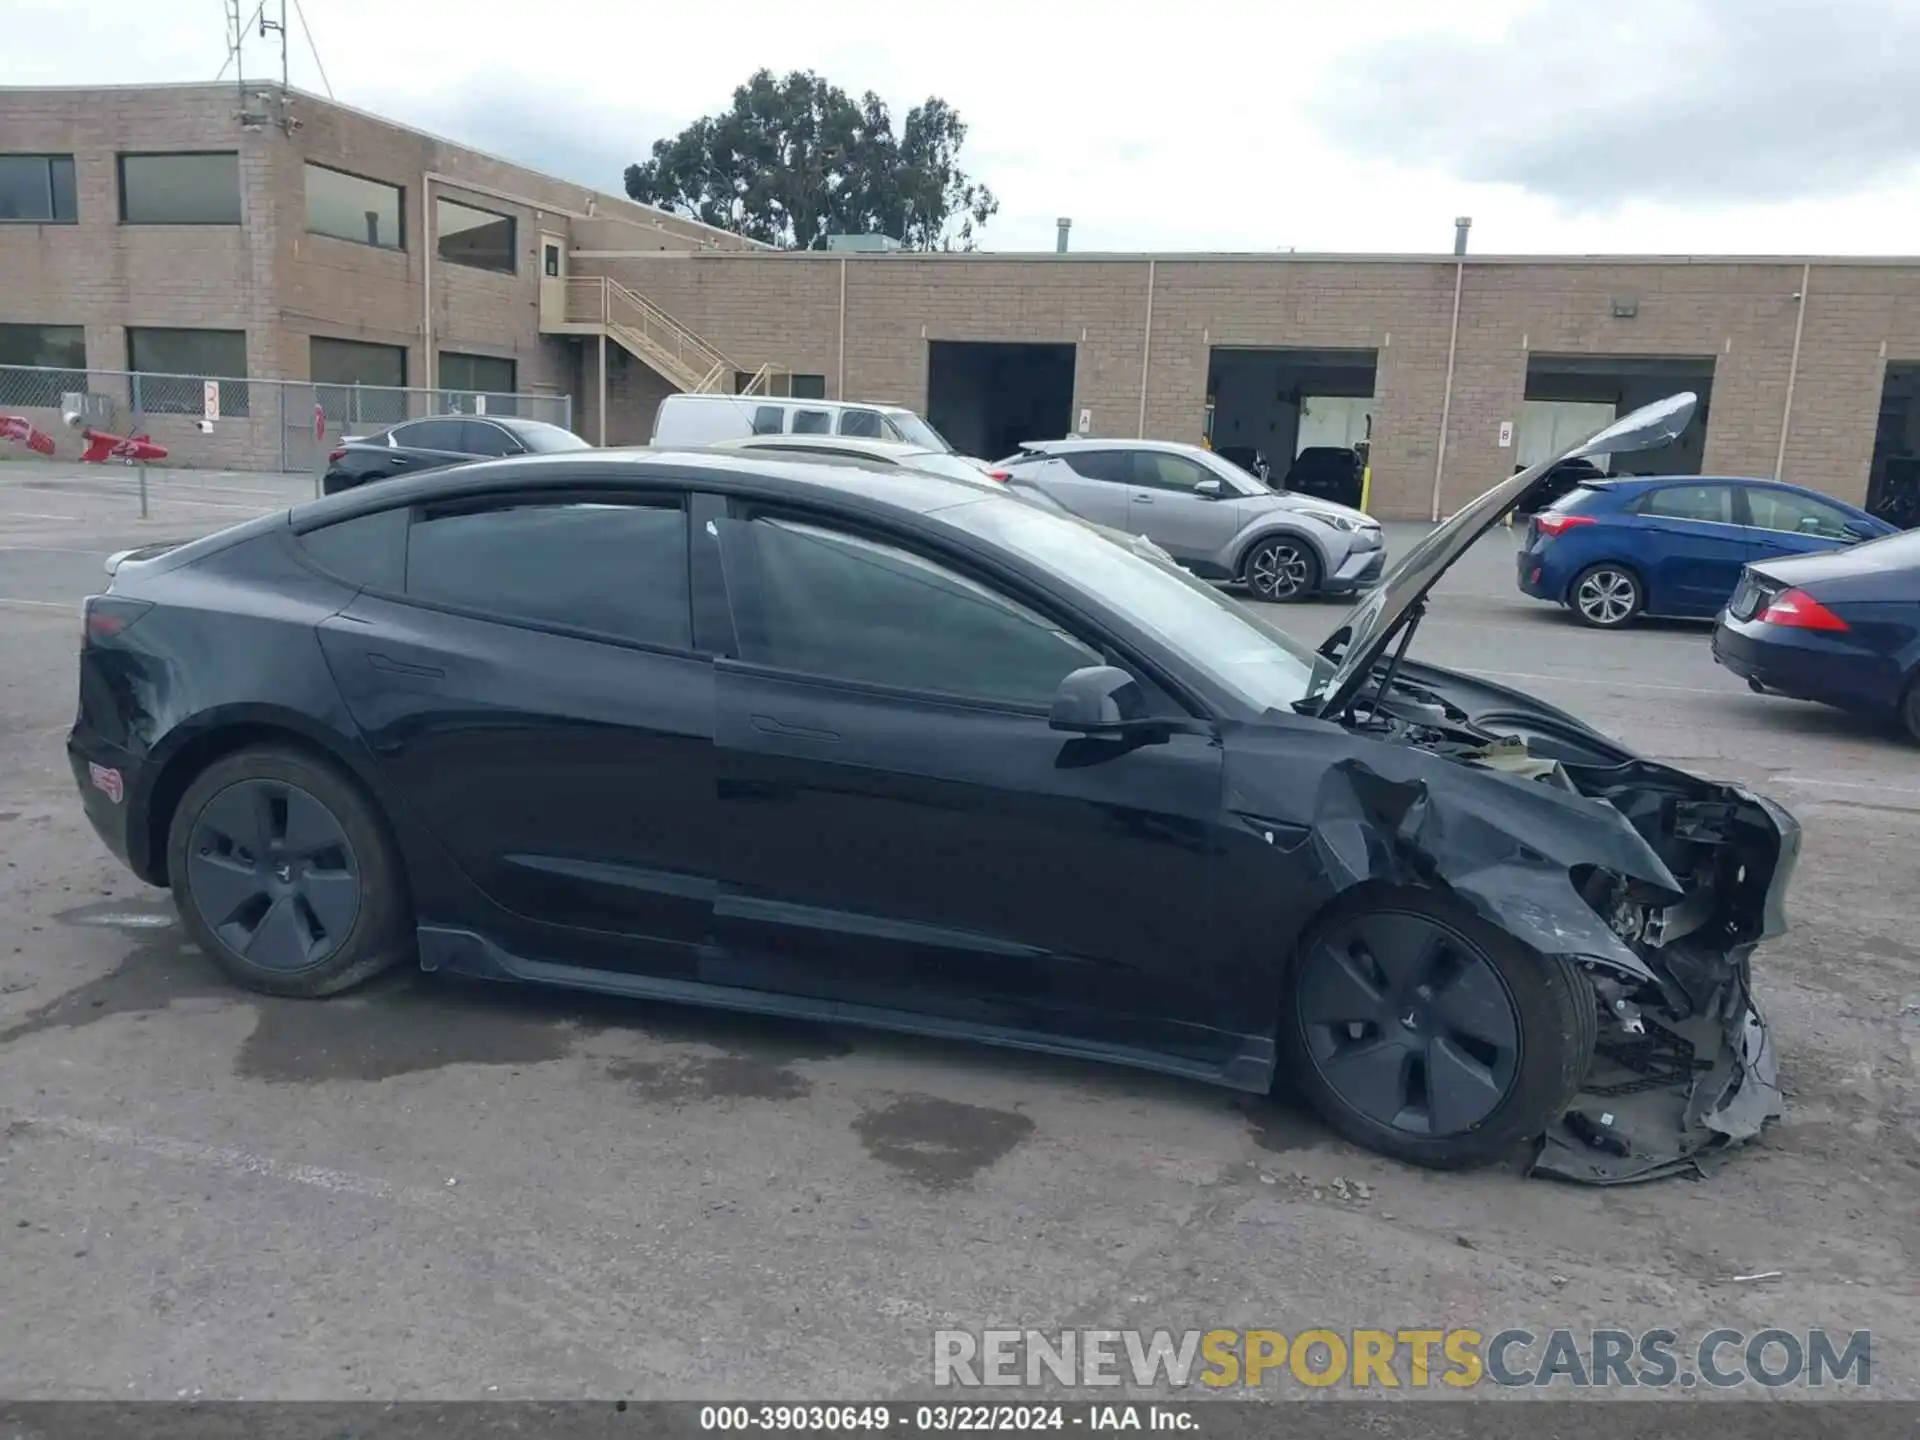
(285, 875)
(1282, 569)
(1606, 596)
(1416, 1029)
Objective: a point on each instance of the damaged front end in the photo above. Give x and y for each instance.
(1684, 1063)
(1656, 885)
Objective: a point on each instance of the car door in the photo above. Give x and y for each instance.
(1689, 547)
(1787, 522)
(1164, 505)
(528, 682)
(903, 830)
(1089, 483)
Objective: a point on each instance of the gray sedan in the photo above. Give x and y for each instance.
(1209, 514)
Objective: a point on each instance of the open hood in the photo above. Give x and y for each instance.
(1356, 647)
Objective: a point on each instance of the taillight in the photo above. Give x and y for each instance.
(108, 615)
(334, 456)
(1001, 475)
(1559, 524)
(1797, 610)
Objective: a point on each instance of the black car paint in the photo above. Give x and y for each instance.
(376, 457)
(680, 824)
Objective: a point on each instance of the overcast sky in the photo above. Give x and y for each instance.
(1748, 126)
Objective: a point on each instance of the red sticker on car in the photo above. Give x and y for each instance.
(107, 781)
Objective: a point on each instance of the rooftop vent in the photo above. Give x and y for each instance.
(863, 244)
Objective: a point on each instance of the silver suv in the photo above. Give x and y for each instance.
(1209, 514)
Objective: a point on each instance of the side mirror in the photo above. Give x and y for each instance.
(1209, 489)
(1098, 700)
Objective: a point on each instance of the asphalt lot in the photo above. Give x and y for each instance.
(426, 1190)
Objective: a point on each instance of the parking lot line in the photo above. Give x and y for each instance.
(39, 604)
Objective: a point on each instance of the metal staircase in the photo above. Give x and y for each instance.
(598, 305)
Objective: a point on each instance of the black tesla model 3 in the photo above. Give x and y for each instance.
(816, 739)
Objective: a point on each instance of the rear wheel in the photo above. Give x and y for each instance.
(1282, 569)
(1910, 708)
(284, 874)
(1606, 596)
(1417, 1029)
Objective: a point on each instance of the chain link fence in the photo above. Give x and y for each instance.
(207, 422)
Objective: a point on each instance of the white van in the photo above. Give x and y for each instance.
(709, 419)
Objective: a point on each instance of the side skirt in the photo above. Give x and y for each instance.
(463, 952)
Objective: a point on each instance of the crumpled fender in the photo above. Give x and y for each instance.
(1491, 844)
(1507, 846)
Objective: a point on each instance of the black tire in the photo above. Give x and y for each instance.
(1281, 569)
(1607, 596)
(285, 875)
(1910, 708)
(1347, 1070)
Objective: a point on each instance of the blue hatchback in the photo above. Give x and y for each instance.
(1616, 549)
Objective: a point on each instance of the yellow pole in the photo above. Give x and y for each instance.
(1366, 487)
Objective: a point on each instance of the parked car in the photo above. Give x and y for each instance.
(1327, 472)
(1841, 628)
(708, 419)
(897, 453)
(437, 441)
(806, 739)
(1614, 550)
(1209, 514)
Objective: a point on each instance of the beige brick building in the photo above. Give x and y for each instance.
(1807, 366)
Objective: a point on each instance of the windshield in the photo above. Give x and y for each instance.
(916, 431)
(1253, 662)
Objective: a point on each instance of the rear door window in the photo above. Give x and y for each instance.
(432, 435)
(618, 570)
(812, 422)
(1712, 504)
(769, 420)
(1113, 466)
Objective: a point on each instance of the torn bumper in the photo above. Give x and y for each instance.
(1702, 1074)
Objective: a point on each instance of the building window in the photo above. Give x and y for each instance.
(57, 359)
(476, 374)
(347, 207)
(172, 366)
(181, 188)
(37, 190)
(809, 387)
(476, 238)
(355, 362)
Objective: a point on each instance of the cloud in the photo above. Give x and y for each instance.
(1695, 103)
(590, 142)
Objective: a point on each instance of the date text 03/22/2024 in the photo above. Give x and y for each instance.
(943, 1419)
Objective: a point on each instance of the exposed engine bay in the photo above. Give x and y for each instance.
(1683, 1064)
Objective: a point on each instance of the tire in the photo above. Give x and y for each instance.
(1606, 596)
(1281, 569)
(1501, 1086)
(1910, 708)
(285, 875)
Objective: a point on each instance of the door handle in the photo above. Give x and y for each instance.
(1140, 499)
(404, 667)
(769, 725)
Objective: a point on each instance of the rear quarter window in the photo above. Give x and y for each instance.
(1580, 498)
(369, 551)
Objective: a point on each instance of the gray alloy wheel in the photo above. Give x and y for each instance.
(286, 875)
(1606, 596)
(1417, 1029)
(272, 873)
(1409, 1023)
(1282, 569)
